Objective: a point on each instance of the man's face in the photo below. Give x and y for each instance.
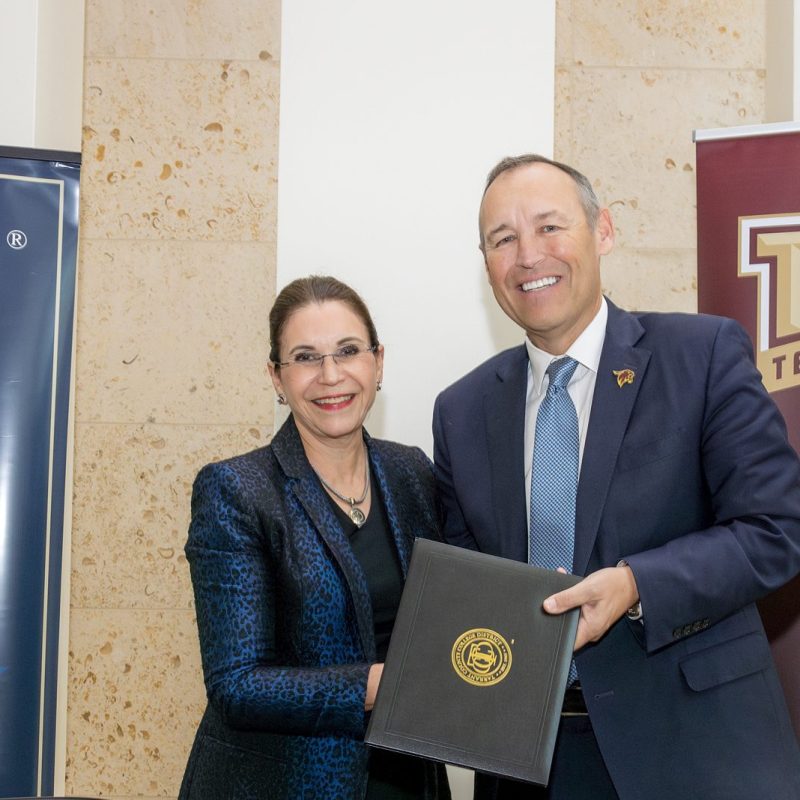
(542, 258)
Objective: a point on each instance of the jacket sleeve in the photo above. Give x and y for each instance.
(236, 604)
(753, 484)
(454, 527)
(425, 486)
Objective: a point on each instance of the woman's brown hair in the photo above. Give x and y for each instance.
(314, 289)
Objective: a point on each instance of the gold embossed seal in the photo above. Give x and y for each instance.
(481, 657)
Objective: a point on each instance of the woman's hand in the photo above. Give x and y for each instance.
(375, 672)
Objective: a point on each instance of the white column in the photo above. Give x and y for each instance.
(391, 116)
(59, 89)
(41, 61)
(18, 68)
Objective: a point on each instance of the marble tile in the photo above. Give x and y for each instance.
(180, 150)
(666, 33)
(132, 487)
(135, 697)
(174, 332)
(651, 280)
(632, 132)
(245, 29)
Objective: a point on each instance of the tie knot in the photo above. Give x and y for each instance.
(561, 372)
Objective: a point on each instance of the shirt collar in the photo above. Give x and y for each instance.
(586, 349)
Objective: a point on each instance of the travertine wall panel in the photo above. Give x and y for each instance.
(633, 80)
(205, 29)
(633, 137)
(658, 278)
(669, 33)
(180, 149)
(130, 526)
(177, 273)
(128, 675)
(169, 336)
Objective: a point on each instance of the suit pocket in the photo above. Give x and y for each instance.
(634, 454)
(227, 772)
(726, 662)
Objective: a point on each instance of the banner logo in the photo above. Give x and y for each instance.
(481, 657)
(16, 240)
(769, 248)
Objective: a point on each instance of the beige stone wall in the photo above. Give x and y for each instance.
(177, 273)
(176, 277)
(633, 79)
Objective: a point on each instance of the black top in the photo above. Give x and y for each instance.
(375, 550)
(392, 776)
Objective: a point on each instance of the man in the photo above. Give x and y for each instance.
(686, 511)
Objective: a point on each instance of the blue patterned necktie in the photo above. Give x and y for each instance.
(554, 477)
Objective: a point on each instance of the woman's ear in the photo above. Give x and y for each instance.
(379, 363)
(275, 377)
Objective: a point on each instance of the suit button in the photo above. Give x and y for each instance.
(687, 629)
(676, 634)
(697, 626)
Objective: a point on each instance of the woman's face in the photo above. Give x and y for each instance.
(329, 401)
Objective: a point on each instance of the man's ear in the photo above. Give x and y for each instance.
(605, 233)
(482, 248)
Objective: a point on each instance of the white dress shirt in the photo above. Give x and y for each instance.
(586, 350)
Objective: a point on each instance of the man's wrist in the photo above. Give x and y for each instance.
(634, 612)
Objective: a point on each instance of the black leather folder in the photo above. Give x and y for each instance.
(476, 670)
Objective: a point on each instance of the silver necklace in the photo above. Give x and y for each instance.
(355, 513)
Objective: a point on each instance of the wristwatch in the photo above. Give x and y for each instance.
(634, 613)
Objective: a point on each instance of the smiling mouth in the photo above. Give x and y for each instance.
(334, 402)
(541, 283)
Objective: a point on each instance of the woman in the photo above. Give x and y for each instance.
(298, 551)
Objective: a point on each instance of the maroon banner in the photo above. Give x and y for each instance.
(748, 268)
(748, 252)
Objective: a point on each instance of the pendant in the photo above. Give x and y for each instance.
(357, 515)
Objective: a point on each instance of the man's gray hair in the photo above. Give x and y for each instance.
(588, 199)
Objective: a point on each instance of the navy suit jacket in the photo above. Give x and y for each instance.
(285, 622)
(686, 474)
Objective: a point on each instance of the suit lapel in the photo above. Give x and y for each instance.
(504, 413)
(304, 483)
(612, 405)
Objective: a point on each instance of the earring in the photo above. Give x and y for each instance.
(282, 399)
(380, 385)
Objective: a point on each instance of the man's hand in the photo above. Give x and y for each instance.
(604, 596)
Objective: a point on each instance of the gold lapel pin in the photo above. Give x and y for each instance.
(623, 376)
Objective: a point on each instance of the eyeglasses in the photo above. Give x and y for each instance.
(312, 361)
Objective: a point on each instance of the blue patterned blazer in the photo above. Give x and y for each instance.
(285, 622)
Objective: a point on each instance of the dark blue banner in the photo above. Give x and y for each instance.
(38, 252)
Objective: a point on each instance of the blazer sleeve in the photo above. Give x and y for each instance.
(423, 487)
(753, 485)
(235, 599)
(454, 527)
